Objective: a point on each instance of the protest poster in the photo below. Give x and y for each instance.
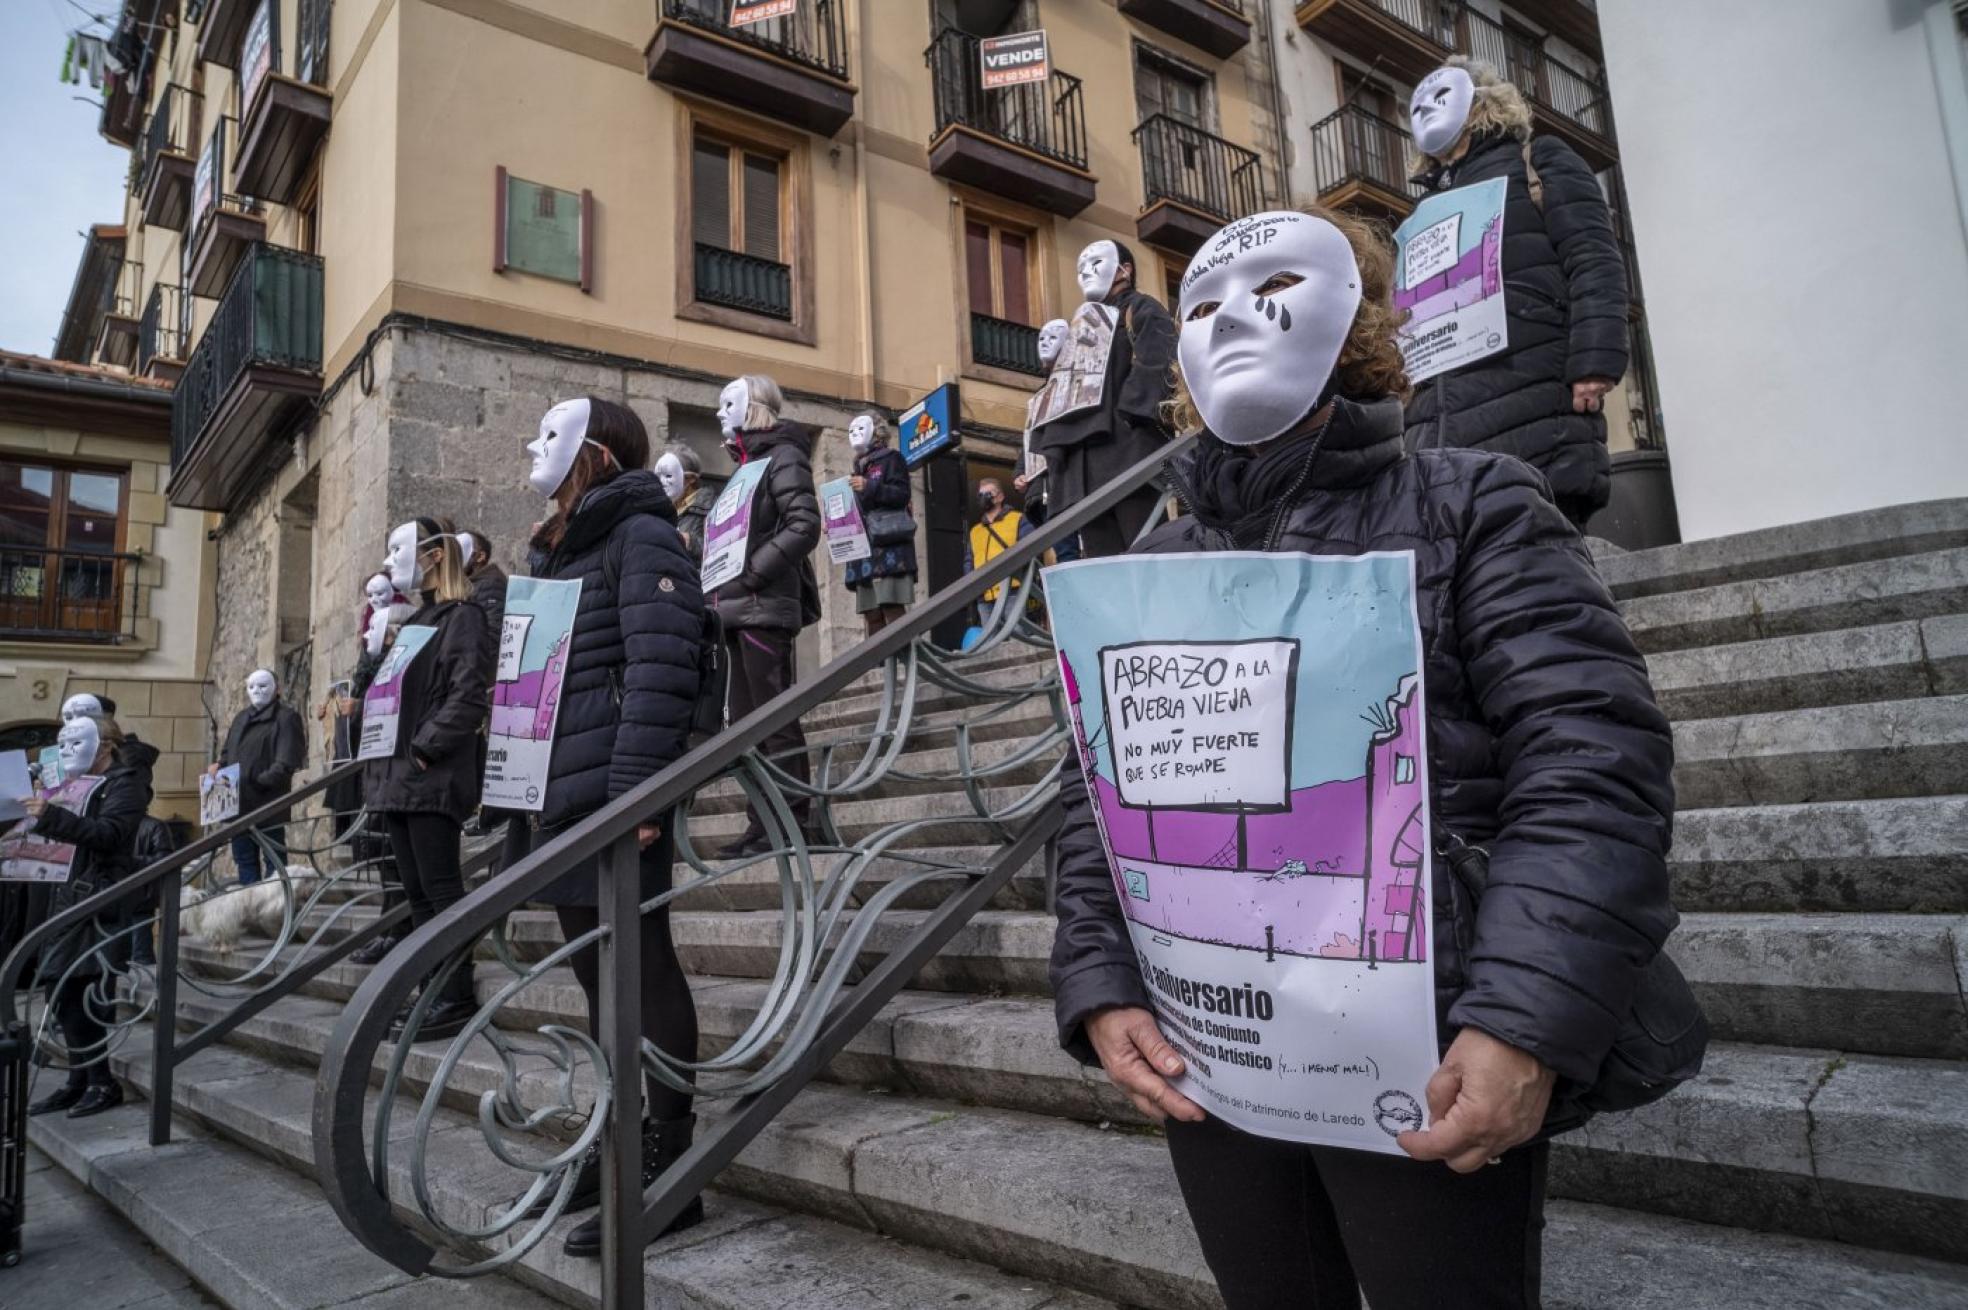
(51, 766)
(728, 534)
(1033, 464)
(840, 514)
(218, 796)
(1448, 273)
(26, 856)
(382, 704)
(1013, 59)
(1079, 375)
(1259, 775)
(533, 646)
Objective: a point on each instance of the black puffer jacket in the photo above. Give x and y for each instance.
(269, 746)
(438, 766)
(488, 592)
(884, 478)
(778, 588)
(1091, 446)
(1564, 290)
(105, 840)
(1544, 741)
(632, 675)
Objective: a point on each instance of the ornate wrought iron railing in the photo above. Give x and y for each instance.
(1181, 162)
(1047, 118)
(67, 595)
(160, 332)
(740, 281)
(1002, 343)
(270, 314)
(813, 34)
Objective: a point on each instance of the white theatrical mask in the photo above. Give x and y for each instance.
(377, 632)
(1052, 339)
(562, 430)
(260, 688)
(1439, 108)
(861, 432)
(80, 703)
(78, 743)
(1099, 263)
(669, 472)
(401, 561)
(733, 404)
(1266, 306)
(379, 592)
(466, 546)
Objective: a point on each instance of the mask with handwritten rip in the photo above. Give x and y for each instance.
(77, 744)
(1266, 307)
(1439, 109)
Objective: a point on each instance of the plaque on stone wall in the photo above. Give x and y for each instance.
(543, 230)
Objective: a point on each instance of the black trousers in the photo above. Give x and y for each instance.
(82, 1032)
(669, 1013)
(1113, 532)
(762, 666)
(1285, 1226)
(427, 862)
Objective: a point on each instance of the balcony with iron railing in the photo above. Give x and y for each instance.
(1192, 183)
(1027, 141)
(257, 367)
(1221, 27)
(1360, 162)
(285, 116)
(67, 595)
(791, 67)
(744, 282)
(1001, 343)
(1410, 38)
(116, 339)
(168, 157)
(223, 226)
(161, 333)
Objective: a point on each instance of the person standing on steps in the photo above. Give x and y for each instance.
(428, 784)
(682, 476)
(1547, 757)
(1123, 335)
(626, 707)
(1564, 289)
(104, 834)
(884, 584)
(269, 744)
(997, 530)
(764, 608)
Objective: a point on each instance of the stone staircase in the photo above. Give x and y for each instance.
(1818, 679)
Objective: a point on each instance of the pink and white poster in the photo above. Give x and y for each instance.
(840, 518)
(382, 704)
(533, 646)
(1448, 273)
(26, 856)
(728, 531)
(1257, 757)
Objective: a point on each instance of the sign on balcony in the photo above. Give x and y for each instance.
(256, 52)
(205, 181)
(1014, 59)
(544, 230)
(929, 425)
(744, 12)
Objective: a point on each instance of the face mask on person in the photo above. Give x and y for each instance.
(1266, 306)
(861, 432)
(379, 592)
(1099, 264)
(401, 561)
(260, 688)
(467, 548)
(563, 430)
(1051, 338)
(78, 704)
(1440, 108)
(669, 474)
(987, 499)
(78, 743)
(734, 402)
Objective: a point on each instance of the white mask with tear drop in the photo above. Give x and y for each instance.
(1439, 108)
(1099, 263)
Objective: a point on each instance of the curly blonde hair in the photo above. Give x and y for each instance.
(1370, 365)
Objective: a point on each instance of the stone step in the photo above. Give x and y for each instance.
(1903, 854)
(1032, 674)
(1895, 590)
(1005, 762)
(1821, 543)
(1052, 1199)
(744, 1256)
(1889, 661)
(1832, 753)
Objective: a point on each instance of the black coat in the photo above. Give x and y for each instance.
(488, 592)
(438, 765)
(884, 485)
(269, 746)
(105, 838)
(778, 589)
(1544, 741)
(690, 522)
(1087, 448)
(632, 668)
(1564, 294)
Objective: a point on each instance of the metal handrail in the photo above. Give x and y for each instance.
(814, 34)
(1355, 144)
(357, 1187)
(1047, 118)
(1182, 162)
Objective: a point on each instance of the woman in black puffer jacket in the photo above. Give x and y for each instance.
(626, 706)
(1545, 745)
(104, 835)
(1564, 288)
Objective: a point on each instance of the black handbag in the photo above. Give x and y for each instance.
(1659, 1044)
(889, 527)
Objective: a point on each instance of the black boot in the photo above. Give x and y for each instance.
(60, 1099)
(663, 1144)
(376, 951)
(99, 1097)
(587, 1186)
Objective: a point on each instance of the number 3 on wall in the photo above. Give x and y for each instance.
(40, 689)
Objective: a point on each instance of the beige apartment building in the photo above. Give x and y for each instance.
(371, 241)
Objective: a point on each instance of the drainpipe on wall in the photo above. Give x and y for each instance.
(863, 222)
(1277, 107)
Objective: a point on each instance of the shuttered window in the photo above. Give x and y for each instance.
(998, 264)
(735, 199)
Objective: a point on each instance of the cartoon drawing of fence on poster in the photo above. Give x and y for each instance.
(1448, 273)
(1258, 774)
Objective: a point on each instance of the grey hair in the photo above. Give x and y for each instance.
(687, 459)
(767, 401)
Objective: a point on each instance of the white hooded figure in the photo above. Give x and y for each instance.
(563, 431)
(79, 704)
(1052, 339)
(261, 688)
(1266, 307)
(1439, 109)
(78, 744)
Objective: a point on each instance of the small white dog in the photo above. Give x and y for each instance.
(222, 916)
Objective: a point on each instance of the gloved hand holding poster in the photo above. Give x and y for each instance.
(1448, 272)
(1259, 774)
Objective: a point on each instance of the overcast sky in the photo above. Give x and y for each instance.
(57, 176)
